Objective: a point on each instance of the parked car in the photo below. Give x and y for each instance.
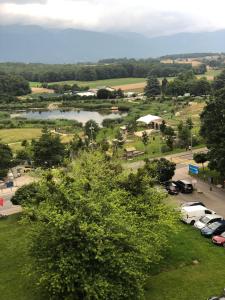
(185, 186)
(215, 228)
(206, 220)
(193, 203)
(219, 239)
(191, 214)
(171, 188)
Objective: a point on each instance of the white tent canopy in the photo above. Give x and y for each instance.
(149, 119)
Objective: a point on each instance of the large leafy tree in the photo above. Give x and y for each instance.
(213, 130)
(94, 238)
(200, 158)
(48, 151)
(153, 87)
(160, 169)
(6, 159)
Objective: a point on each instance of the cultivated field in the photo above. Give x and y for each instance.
(105, 82)
(40, 90)
(125, 84)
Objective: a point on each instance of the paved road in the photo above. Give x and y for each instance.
(178, 158)
(8, 208)
(214, 199)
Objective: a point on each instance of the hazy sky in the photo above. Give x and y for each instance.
(150, 17)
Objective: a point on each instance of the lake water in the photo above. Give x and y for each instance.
(79, 115)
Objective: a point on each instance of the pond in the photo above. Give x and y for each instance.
(79, 115)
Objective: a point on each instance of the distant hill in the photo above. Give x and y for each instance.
(36, 44)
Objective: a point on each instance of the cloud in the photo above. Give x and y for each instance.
(23, 1)
(149, 17)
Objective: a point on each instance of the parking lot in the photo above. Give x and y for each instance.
(214, 199)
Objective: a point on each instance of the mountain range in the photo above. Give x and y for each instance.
(20, 43)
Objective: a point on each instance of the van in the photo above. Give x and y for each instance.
(191, 214)
(184, 186)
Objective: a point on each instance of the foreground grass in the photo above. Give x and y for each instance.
(178, 278)
(14, 284)
(175, 278)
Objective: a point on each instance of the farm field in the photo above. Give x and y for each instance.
(125, 84)
(210, 74)
(176, 277)
(97, 83)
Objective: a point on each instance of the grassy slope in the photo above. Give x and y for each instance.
(14, 284)
(180, 279)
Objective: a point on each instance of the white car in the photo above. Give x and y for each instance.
(191, 214)
(206, 220)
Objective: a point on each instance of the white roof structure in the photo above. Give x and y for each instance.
(86, 94)
(149, 118)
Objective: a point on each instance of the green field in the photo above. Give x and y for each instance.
(175, 278)
(8, 136)
(179, 279)
(97, 83)
(14, 284)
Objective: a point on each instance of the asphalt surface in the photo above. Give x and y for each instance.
(214, 199)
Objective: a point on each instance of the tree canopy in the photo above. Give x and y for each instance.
(13, 85)
(92, 238)
(6, 159)
(213, 130)
(153, 87)
(48, 151)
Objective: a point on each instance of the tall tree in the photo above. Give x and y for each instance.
(92, 237)
(145, 139)
(164, 86)
(48, 151)
(91, 129)
(213, 130)
(6, 160)
(160, 169)
(153, 87)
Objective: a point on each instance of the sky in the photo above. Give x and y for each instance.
(148, 17)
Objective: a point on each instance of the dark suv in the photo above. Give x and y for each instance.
(184, 186)
(171, 188)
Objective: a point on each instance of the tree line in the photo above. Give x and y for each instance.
(53, 73)
(184, 83)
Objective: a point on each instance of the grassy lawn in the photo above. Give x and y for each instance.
(14, 284)
(97, 83)
(175, 278)
(8, 136)
(178, 278)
